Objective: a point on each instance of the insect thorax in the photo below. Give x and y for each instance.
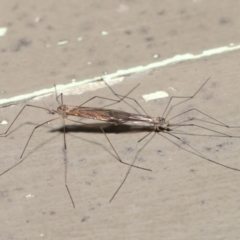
(62, 110)
(161, 121)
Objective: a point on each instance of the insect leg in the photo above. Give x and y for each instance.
(195, 152)
(25, 148)
(181, 97)
(116, 154)
(5, 134)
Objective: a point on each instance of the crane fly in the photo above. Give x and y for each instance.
(117, 117)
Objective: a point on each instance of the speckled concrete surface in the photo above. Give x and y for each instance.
(184, 197)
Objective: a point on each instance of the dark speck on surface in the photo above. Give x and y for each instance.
(129, 149)
(84, 219)
(149, 39)
(223, 21)
(23, 42)
(173, 32)
(208, 149)
(144, 30)
(161, 12)
(49, 27)
(220, 145)
(15, 7)
(52, 212)
(3, 194)
(128, 32)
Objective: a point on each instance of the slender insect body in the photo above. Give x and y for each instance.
(138, 118)
(111, 115)
(107, 115)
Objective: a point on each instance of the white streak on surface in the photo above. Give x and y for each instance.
(29, 196)
(3, 31)
(4, 122)
(121, 73)
(155, 95)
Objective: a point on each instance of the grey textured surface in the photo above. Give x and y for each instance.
(184, 197)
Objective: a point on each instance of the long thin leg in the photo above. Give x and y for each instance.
(211, 130)
(110, 99)
(65, 177)
(148, 134)
(64, 134)
(61, 96)
(65, 151)
(217, 122)
(12, 167)
(33, 132)
(181, 132)
(196, 153)
(95, 97)
(184, 97)
(57, 96)
(122, 97)
(125, 178)
(183, 121)
(65, 159)
(116, 154)
(129, 169)
(66, 163)
(25, 148)
(27, 105)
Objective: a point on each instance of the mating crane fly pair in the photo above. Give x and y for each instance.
(116, 117)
